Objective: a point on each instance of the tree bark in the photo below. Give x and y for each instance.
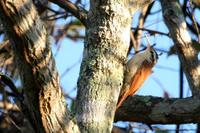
(157, 110)
(36, 65)
(101, 77)
(175, 22)
(78, 12)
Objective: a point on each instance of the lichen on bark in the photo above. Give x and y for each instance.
(101, 76)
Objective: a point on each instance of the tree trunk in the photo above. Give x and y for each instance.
(101, 76)
(36, 65)
(175, 22)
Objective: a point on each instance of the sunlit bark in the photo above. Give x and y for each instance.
(43, 96)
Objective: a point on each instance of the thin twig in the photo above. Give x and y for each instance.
(151, 31)
(7, 81)
(69, 68)
(78, 12)
(10, 119)
(55, 17)
(142, 19)
(9, 106)
(194, 22)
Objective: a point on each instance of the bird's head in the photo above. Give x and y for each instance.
(151, 54)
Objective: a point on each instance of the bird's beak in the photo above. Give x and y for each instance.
(148, 46)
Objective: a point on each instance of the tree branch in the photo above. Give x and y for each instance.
(151, 31)
(6, 80)
(78, 12)
(9, 106)
(142, 19)
(157, 110)
(174, 19)
(137, 4)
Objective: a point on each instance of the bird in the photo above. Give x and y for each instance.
(137, 69)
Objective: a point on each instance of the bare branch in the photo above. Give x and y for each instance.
(138, 4)
(194, 22)
(6, 80)
(78, 12)
(153, 32)
(157, 110)
(175, 22)
(140, 25)
(9, 106)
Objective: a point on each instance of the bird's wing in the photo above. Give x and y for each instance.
(131, 70)
(137, 80)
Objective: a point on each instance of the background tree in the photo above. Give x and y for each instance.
(39, 105)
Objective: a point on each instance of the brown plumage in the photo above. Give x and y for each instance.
(137, 70)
